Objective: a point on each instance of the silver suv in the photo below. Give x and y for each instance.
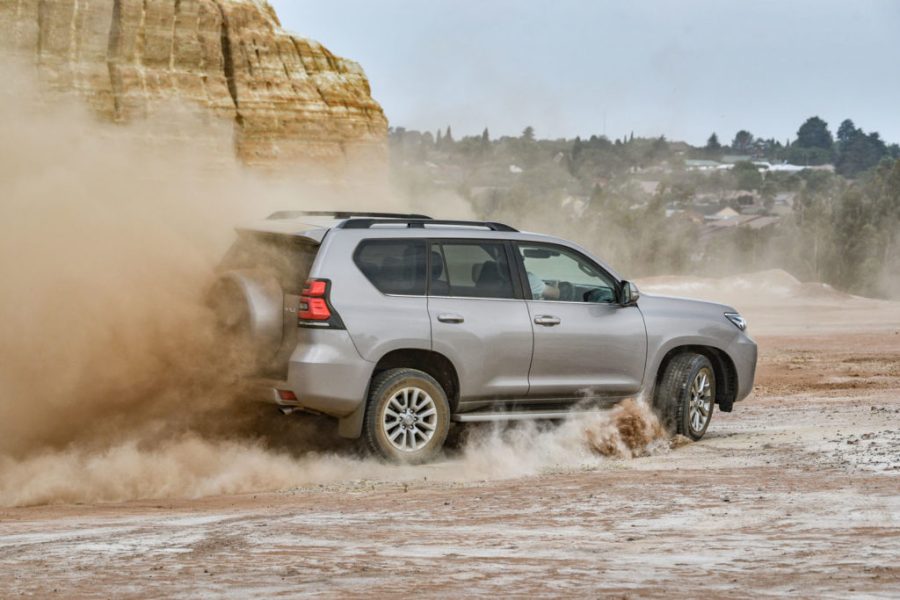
(398, 325)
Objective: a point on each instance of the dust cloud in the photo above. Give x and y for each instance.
(631, 430)
(190, 465)
(113, 383)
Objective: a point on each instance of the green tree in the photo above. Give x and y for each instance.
(859, 152)
(485, 142)
(856, 239)
(814, 144)
(867, 234)
(846, 132)
(743, 142)
(814, 133)
(813, 207)
(659, 149)
(577, 149)
(808, 156)
(767, 192)
(746, 176)
(528, 134)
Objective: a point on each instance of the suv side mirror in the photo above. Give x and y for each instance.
(630, 294)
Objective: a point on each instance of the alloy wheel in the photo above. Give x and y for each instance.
(701, 400)
(410, 419)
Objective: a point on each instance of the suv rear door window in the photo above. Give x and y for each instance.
(393, 266)
(471, 269)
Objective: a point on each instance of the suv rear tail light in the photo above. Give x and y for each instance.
(315, 287)
(315, 310)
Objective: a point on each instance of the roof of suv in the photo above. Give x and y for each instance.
(315, 224)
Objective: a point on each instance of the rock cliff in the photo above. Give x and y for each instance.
(289, 98)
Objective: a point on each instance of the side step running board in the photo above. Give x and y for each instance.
(532, 415)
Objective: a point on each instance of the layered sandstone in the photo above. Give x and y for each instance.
(289, 99)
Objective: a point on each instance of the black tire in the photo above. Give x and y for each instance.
(677, 394)
(381, 427)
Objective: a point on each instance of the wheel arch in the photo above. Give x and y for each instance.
(723, 369)
(434, 363)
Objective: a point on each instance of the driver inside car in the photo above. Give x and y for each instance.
(540, 290)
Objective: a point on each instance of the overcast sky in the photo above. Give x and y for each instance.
(582, 67)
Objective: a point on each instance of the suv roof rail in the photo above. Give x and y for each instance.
(417, 222)
(340, 214)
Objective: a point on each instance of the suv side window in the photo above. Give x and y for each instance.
(556, 273)
(393, 266)
(470, 269)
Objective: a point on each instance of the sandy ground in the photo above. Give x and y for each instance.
(797, 492)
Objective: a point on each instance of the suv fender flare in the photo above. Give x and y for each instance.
(433, 363)
(722, 362)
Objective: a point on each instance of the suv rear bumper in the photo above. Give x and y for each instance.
(268, 391)
(325, 373)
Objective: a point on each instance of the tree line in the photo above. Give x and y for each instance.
(628, 199)
(852, 152)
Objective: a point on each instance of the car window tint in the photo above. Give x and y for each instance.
(471, 270)
(555, 273)
(393, 266)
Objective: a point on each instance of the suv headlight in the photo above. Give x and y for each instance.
(737, 320)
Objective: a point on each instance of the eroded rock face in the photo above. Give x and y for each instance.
(289, 98)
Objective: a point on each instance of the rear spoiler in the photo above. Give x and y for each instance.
(311, 233)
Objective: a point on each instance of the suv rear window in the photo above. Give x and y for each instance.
(288, 258)
(393, 266)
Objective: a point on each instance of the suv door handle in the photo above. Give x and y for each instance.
(547, 320)
(450, 318)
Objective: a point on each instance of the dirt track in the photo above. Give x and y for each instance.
(796, 492)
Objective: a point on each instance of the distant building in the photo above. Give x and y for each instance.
(760, 222)
(724, 214)
(701, 165)
(730, 159)
(785, 168)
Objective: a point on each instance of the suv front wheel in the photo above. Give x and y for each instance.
(407, 416)
(686, 395)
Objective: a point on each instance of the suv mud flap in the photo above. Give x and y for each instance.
(350, 427)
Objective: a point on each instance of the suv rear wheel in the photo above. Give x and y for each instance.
(407, 416)
(686, 395)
